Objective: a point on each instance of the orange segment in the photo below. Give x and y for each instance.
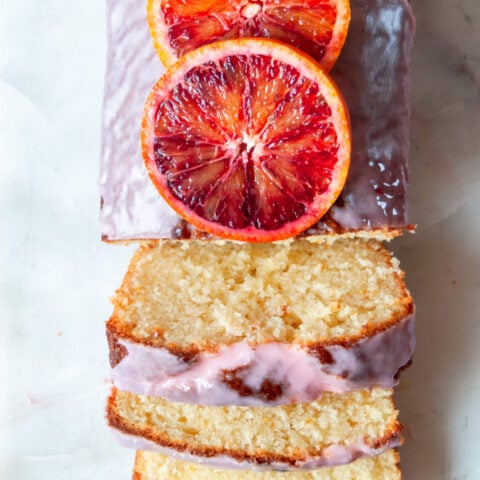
(247, 139)
(318, 27)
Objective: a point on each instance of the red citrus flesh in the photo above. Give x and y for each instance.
(247, 139)
(318, 27)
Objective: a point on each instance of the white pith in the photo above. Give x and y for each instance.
(250, 10)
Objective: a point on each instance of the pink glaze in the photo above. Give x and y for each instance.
(267, 374)
(331, 456)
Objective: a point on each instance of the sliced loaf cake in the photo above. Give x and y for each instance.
(334, 430)
(154, 466)
(260, 324)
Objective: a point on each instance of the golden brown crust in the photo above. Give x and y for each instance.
(269, 390)
(399, 469)
(117, 352)
(115, 420)
(136, 473)
(139, 466)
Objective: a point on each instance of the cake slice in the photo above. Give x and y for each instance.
(260, 324)
(373, 74)
(334, 430)
(154, 466)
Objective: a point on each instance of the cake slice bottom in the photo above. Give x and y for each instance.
(334, 430)
(154, 466)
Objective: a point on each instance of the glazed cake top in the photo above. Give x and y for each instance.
(373, 73)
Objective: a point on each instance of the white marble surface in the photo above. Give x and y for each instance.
(56, 276)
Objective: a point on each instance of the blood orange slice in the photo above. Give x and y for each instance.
(318, 27)
(247, 139)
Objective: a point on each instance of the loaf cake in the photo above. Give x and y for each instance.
(334, 430)
(154, 466)
(274, 357)
(260, 324)
(373, 74)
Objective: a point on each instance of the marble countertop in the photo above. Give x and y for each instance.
(56, 276)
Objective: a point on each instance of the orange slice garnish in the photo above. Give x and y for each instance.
(247, 139)
(318, 27)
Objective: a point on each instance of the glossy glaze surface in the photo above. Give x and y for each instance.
(268, 374)
(373, 73)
